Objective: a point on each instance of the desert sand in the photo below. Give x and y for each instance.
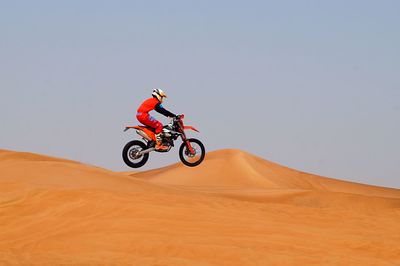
(234, 209)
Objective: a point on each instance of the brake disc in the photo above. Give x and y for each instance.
(187, 153)
(134, 154)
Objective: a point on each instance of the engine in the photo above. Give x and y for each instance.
(169, 136)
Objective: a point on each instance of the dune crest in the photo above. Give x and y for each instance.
(237, 169)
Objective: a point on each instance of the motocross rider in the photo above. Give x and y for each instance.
(143, 116)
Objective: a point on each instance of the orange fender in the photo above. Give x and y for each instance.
(192, 128)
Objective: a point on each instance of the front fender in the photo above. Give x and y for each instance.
(191, 128)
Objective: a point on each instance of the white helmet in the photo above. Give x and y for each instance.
(159, 94)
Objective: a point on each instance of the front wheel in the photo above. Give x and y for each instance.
(192, 159)
(131, 156)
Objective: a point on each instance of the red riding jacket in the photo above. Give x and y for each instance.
(153, 104)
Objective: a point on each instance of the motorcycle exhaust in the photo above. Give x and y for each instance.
(144, 135)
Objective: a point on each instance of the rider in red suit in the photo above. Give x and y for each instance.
(154, 103)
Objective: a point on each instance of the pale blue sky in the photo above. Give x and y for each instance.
(313, 85)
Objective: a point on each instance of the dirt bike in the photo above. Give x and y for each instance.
(136, 152)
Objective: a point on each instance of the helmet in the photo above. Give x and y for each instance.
(159, 94)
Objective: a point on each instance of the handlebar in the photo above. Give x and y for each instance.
(179, 117)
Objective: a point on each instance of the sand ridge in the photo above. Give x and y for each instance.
(235, 209)
(237, 174)
(235, 168)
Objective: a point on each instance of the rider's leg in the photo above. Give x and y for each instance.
(159, 137)
(150, 121)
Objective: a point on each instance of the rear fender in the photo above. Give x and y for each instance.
(128, 127)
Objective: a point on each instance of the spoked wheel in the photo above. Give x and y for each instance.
(192, 159)
(131, 156)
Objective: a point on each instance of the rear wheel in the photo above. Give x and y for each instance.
(192, 159)
(131, 156)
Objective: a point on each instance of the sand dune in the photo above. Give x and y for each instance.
(236, 174)
(235, 168)
(234, 209)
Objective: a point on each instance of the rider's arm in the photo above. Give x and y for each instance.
(160, 109)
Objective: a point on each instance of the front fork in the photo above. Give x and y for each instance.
(192, 151)
(185, 140)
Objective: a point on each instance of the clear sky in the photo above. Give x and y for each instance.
(313, 85)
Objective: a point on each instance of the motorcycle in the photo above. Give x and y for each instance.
(191, 151)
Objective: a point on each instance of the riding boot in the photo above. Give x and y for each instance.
(159, 144)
